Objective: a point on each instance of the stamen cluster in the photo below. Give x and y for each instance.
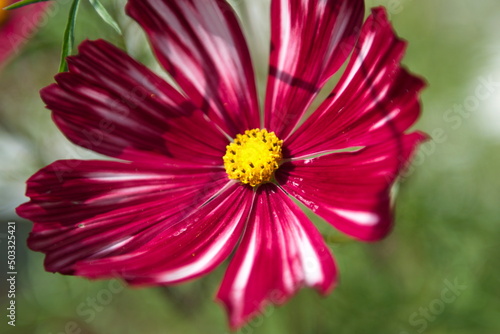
(253, 156)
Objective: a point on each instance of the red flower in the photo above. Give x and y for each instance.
(16, 26)
(203, 174)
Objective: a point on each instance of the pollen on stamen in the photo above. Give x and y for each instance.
(253, 157)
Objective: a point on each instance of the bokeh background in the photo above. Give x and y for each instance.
(438, 272)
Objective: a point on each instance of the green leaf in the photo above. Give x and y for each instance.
(69, 36)
(23, 3)
(103, 13)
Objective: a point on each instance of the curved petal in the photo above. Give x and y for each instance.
(200, 43)
(310, 40)
(187, 249)
(280, 252)
(92, 209)
(351, 190)
(111, 104)
(16, 26)
(375, 100)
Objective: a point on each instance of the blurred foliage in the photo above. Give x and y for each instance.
(447, 223)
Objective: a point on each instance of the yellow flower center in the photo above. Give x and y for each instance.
(253, 157)
(3, 13)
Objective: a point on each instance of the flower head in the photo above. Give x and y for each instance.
(16, 26)
(202, 175)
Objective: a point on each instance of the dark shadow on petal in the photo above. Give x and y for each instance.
(282, 174)
(294, 81)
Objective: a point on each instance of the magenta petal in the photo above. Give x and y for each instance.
(310, 40)
(351, 190)
(187, 249)
(111, 104)
(281, 251)
(375, 100)
(200, 43)
(93, 209)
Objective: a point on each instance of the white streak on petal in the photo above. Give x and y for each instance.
(392, 115)
(359, 217)
(240, 282)
(202, 261)
(113, 246)
(311, 265)
(290, 251)
(116, 177)
(359, 62)
(285, 42)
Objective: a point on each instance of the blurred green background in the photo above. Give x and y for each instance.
(438, 272)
